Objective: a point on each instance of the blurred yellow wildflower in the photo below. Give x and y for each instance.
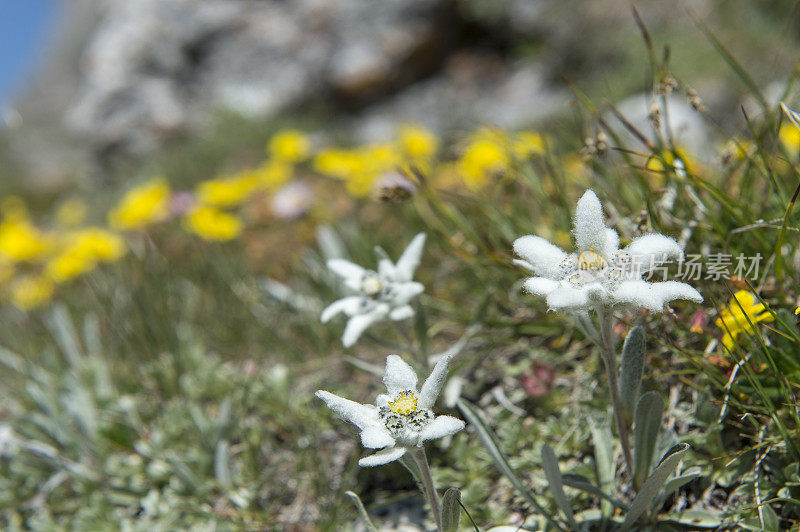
(142, 206)
(228, 191)
(417, 142)
(733, 319)
(682, 163)
(289, 145)
(789, 136)
(273, 174)
(82, 251)
(337, 163)
(528, 143)
(360, 168)
(211, 223)
(484, 156)
(20, 240)
(71, 212)
(31, 291)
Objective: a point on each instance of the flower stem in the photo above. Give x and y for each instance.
(426, 481)
(607, 352)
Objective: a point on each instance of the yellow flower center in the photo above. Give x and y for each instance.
(371, 285)
(591, 260)
(404, 404)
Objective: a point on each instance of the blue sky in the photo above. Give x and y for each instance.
(24, 25)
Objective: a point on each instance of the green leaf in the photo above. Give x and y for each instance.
(651, 487)
(554, 480)
(582, 483)
(489, 442)
(632, 368)
(678, 482)
(649, 412)
(694, 519)
(451, 510)
(361, 510)
(603, 459)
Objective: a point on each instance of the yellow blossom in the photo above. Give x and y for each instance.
(417, 142)
(211, 223)
(228, 191)
(733, 319)
(71, 212)
(289, 145)
(20, 240)
(142, 206)
(273, 174)
(31, 291)
(485, 156)
(789, 136)
(82, 251)
(337, 163)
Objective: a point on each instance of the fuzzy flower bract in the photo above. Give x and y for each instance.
(378, 295)
(600, 274)
(401, 419)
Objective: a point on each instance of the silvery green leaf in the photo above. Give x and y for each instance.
(678, 482)
(489, 442)
(584, 484)
(649, 412)
(553, 475)
(361, 510)
(330, 245)
(632, 366)
(222, 471)
(603, 459)
(451, 510)
(694, 519)
(649, 491)
(63, 331)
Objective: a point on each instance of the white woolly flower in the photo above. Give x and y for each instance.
(401, 419)
(379, 295)
(600, 274)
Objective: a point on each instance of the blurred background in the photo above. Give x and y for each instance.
(88, 84)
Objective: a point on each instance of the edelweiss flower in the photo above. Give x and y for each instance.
(600, 274)
(401, 419)
(381, 294)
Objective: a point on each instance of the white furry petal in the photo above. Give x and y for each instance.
(653, 296)
(401, 313)
(376, 437)
(440, 427)
(407, 263)
(648, 251)
(382, 457)
(362, 416)
(433, 384)
(567, 298)
(345, 269)
(349, 305)
(359, 323)
(540, 256)
(612, 241)
(405, 292)
(590, 227)
(399, 376)
(539, 286)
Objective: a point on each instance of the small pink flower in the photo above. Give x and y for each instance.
(539, 380)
